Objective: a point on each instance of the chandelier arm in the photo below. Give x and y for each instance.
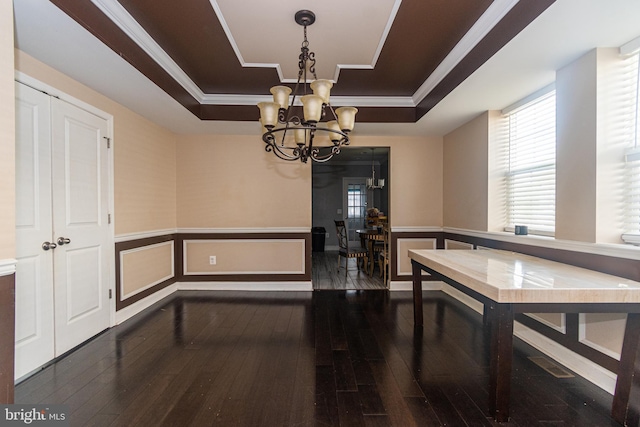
(281, 154)
(271, 146)
(315, 154)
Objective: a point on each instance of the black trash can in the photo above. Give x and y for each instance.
(317, 238)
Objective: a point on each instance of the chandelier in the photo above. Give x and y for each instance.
(291, 137)
(372, 184)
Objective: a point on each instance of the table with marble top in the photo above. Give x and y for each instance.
(508, 283)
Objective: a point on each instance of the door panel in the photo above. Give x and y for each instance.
(80, 209)
(84, 294)
(82, 165)
(34, 269)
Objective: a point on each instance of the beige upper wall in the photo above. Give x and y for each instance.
(144, 155)
(231, 182)
(466, 169)
(7, 133)
(576, 119)
(591, 143)
(415, 181)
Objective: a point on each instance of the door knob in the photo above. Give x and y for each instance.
(49, 245)
(63, 241)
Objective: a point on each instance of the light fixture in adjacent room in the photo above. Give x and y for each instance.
(294, 136)
(372, 184)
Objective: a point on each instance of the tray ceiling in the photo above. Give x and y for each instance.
(393, 59)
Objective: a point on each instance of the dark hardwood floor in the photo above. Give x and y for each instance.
(323, 358)
(325, 273)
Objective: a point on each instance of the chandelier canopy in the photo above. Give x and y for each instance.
(292, 137)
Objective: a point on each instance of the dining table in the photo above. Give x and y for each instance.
(508, 283)
(368, 238)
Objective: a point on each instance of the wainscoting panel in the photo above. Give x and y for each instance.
(454, 244)
(556, 321)
(403, 245)
(145, 267)
(603, 332)
(244, 256)
(7, 337)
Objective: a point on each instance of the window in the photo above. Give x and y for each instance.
(631, 78)
(531, 172)
(356, 205)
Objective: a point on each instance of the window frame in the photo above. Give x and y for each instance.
(509, 173)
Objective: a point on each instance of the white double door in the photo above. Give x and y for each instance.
(62, 232)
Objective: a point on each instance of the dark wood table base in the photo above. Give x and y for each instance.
(499, 317)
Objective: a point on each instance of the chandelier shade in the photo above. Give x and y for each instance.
(281, 118)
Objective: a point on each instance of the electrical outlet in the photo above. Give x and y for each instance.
(339, 212)
(212, 260)
(326, 235)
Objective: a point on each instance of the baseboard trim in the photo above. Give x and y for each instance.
(401, 285)
(138, 306)
(246, 286)
(582, 366)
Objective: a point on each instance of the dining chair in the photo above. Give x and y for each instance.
(384, 256)
(345, 252)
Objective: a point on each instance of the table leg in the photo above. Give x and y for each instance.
(417, 293)
(623, 409)
(501, 324)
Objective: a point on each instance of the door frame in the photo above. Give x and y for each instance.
(41, 86)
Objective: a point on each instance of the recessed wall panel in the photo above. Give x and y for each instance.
(404, 245)
(454, 244)
(144, 267)
(244, 256)
(604, 332)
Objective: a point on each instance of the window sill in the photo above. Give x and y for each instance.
(531, 232)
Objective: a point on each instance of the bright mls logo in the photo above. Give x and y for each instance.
(34, 415)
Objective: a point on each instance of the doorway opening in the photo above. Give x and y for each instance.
(340, 192)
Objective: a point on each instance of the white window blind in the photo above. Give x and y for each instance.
(631, 112)
(531, 172)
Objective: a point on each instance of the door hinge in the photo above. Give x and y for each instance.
(110, 294)
(108, 218)
(108, 141)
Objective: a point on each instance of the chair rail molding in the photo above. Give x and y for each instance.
(245, 230)
(7, 266)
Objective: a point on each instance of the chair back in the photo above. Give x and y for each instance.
(341, 231)
(385, 234)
